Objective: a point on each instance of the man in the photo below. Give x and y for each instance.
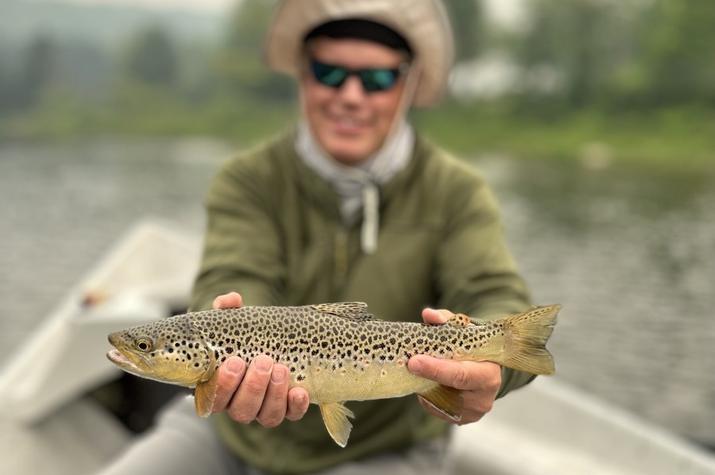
(352, 205)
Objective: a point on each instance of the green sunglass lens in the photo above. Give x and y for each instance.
(372, 79)
(328, 75)
(378, 79)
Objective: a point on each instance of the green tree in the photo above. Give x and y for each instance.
(466, 19)
(586, 42)
(38, 71)
(240, 63)
(678, 46)
(152, 58)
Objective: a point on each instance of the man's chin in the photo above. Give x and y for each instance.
(350, 158)
(350, 152)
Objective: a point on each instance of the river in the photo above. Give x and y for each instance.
(630, 253)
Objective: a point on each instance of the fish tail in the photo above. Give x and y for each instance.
(525, 336)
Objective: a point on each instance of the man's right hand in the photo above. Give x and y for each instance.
(260, 392)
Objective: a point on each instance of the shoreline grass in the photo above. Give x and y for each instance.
(680, 138)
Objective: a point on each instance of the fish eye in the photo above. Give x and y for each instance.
(144, 344)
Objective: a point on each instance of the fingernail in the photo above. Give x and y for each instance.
(263, 364)
(233, 365)
(415, 365)
(278, 375)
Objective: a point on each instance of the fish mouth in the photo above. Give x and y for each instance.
(116, 356)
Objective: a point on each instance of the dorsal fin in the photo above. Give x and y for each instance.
(356, 311)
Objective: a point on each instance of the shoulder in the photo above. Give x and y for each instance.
(254, 171)
(262, 160)
(449, 178)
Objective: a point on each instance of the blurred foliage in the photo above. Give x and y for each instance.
(465, 17)
(679, 52)
(240, 63)
(636, 77)
(152, 59)
(640, 54)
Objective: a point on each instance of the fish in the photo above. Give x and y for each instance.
(337, 352)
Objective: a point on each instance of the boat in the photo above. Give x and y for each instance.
(51, 423)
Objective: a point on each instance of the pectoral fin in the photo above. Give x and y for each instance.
(205, 395)
(446, 400)
(335, 417)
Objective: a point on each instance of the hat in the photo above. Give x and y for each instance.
(423, 23)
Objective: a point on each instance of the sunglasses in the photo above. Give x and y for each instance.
(372, 79)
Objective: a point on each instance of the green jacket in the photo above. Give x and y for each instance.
(276, 236)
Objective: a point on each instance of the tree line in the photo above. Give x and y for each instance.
(636, 54)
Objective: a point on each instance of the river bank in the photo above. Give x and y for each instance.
(672, 139)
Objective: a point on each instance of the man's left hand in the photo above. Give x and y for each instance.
(479, 382)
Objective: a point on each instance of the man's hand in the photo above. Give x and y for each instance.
(479, 382)
(261, 391)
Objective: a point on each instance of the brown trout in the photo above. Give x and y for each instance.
(338, 352)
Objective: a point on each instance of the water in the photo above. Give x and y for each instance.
(629, 254)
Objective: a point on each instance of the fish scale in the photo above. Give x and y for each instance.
(338, 352)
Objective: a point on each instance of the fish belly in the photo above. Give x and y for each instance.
(375, 382)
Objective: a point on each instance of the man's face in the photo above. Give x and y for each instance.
(349, 123)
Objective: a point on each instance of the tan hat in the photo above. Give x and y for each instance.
(423, 23)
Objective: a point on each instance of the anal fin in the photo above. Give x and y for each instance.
(335, 417)
(205, 396)
(446, 400)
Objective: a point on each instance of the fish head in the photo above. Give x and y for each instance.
(169, 351)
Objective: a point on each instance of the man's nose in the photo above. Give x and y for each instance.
(351, 90)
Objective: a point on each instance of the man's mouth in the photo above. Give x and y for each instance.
(348, 125)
